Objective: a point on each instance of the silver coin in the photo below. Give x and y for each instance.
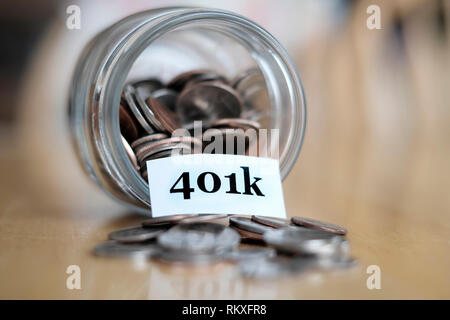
(167, 96)
(208, 101)
(315, 224)
(165, 220)
(117, 249)
(199, 238)
(148, 113)
(130, 153)
(143, 149)
(203, 218)
(249, 253)
(136, 234)
(177, 149)
(150, 138)
(271, 221)
(131, 98)
(304, 241)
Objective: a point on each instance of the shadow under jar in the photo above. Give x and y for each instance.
(163, 43)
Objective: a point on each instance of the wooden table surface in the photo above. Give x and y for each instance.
(376, 160)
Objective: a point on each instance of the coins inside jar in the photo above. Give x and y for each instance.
(151, 114)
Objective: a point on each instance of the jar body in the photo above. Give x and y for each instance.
(163, 43)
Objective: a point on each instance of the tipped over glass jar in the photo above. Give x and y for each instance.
(181, 52)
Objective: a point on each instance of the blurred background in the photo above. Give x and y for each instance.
(376, 153)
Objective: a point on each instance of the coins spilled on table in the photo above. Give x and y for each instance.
(150, 114)
(257, 249)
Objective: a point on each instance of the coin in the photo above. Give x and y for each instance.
(165, 220)
(148, 114)
(175, 149)
(145, 88)
(148, 138)
(247, 235)
(130, 153)
(271, 222)
(247, 224)
(167, 96)
(314, 224)
(203, 218)
(144, 149)
(298, 241)
(182, 79)
(128, 127)
(117, 249)
(199, 237)
(249, 253)
(167, 118)
(204, 77)
(136, 234)
(234, 141)
(163, 154)
(251, 75)
(131, 98)
(251, 86)
(208, 101)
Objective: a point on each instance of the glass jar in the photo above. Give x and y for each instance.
(163, 43)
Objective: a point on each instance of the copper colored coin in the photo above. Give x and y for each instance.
(164, 115)
(247, 234)
(165, 220)
(247, 224)
(271, 222)
(314, 224)
(207, 76)
(208, 101)
(203, 218)
(149, 138)
(182, 79)
(167, 96)
(128, 127)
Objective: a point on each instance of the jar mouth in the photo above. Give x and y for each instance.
(281, 76)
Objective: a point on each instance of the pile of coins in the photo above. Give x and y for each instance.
(273, 246)
(150, 113)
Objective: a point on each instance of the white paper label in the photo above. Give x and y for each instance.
(215, 183)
